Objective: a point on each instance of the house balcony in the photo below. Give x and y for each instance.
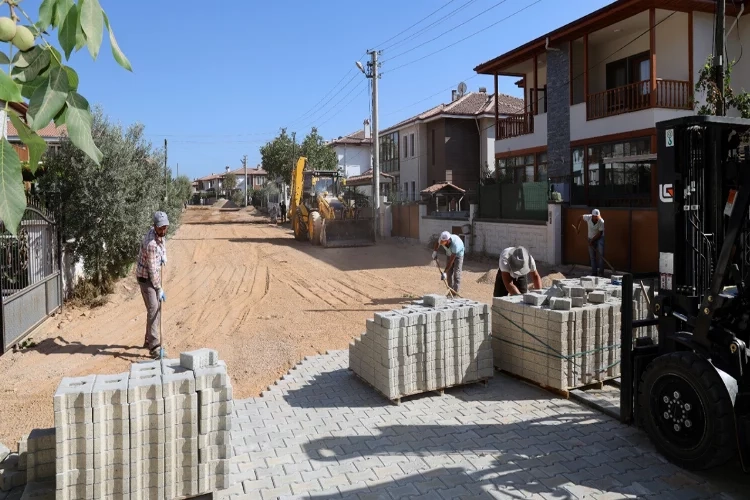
(515, 125)
(670, 94)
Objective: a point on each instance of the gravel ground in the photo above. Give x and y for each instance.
(236, 284)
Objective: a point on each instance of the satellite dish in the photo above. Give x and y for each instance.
(461, 88)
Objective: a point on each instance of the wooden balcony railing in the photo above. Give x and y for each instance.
(671, 94)
(515, 125)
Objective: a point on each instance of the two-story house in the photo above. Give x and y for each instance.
(593, 91)
(448, 143)
(354, 151)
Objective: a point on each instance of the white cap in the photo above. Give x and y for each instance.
(518, 261)
(445, 236)
(595, 212)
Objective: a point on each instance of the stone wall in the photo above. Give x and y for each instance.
(558, 112)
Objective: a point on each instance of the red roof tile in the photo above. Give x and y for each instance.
(50, 131)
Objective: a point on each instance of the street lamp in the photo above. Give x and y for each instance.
(372, 66)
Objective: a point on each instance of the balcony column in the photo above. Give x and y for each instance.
(497, 113)
(586, 70)
(536, 86)
(652, 52)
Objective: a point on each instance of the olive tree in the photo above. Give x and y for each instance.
(38, 72)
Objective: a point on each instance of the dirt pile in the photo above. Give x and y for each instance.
(488, 278)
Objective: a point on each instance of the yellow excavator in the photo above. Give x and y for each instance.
(320, 211)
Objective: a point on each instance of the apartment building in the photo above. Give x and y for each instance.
(593, 93)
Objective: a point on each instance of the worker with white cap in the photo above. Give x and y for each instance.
(512, 276)
(152, 257)
(454, 248)
(595, 224)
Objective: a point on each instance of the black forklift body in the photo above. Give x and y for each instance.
(702, 307)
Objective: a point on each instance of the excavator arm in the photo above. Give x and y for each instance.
(298, 213)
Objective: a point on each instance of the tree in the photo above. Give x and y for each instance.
(108, 205)
(319, 155)
(707, 85)
(36, 71)
(182, 188)
(277, 156)
(230, 183)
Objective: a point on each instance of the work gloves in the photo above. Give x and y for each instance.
(443, 276)
(162, 296)
(434, 255)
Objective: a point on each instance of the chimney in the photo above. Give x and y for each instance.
(483, 90)
(367, 129)
(226, 169)
(453, 95)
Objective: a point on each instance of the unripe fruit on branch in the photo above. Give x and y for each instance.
(24, 38)
(7, 29)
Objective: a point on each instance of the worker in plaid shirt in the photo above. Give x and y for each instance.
(152, 256)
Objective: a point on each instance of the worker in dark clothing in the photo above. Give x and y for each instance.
(512, 275)
(282, 209)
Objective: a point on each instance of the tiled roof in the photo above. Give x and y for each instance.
(50, 131)
(366, 176)
(440, 186)
(471, 104)
(250, 171)
(356, 138)
(210, 177)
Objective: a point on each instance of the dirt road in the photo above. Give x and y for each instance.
(236, 284)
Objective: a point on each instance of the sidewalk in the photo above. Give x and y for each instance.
(321, 433)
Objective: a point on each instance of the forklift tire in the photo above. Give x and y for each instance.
(686, 410)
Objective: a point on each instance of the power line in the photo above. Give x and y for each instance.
(347, 104)
(446, 32)
(430, 96)
(426, 28)
(312, 123)
(423, 19)
(463, 39)
(319, 106)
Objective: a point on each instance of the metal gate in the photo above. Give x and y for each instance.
(30, 277)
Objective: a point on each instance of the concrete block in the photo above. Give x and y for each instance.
(578, 301)
(185, 431)
(111, 458)
(74, 446)
(212, 424)
(215, 452)
(181, 403)
(199, 359)
(214, 377)
(560, 304)
(187, 488)
(72, 416)
(144, 408)
(41, 457)
(434, 300)
(77, 431)
(214, 438)
(38, 440)
(177, 383)
(211, 396)
(41, 472)
(107, 428)
(145, 386)
(10, 479)
(108, 489)
(75, 477)
(39, 490)
(116, 412)
(74, 392)
(110, 390)
(390, 320)
(75, 462)
(597, 297)
(534, 299)
(4, 452)
(577, 291)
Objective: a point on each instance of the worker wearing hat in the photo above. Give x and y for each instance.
(512, 276)
(454, 248)
(152, 256)
(595, 224)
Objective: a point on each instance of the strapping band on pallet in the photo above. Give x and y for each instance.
(557, 354)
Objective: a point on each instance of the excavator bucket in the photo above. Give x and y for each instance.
(347, 233)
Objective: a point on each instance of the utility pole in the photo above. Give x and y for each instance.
(166, 177)
(244, 164)
(372, 72)
(294, 156)
(719, 43)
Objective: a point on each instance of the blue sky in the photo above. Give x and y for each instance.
(219, 79)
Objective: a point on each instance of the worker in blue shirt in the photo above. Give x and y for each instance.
(454, 248)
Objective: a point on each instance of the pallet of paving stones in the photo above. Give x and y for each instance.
(431, 345)
(564, 337)
(162, 430)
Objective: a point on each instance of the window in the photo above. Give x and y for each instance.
(406, 149)
(578, 159)
(541, 167)
(413, 188)
(389, 157)
(517, 169)
(411, 144)
(406, 189)
(433, 145)
(610, 179)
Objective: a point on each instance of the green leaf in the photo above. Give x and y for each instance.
(12, 196)
(37, 145)
(78, 120)
(46, 13)
(116, 52)
(60, 118)
(67, 34)
(4, 59)
(61, 11)
(93, 25)
(72, 78)
(9, 91)
(28, 89)
(33, 62)
(47, 101)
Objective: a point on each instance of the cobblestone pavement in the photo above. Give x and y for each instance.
(321, 433)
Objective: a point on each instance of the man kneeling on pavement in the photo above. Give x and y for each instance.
(454, 247)
(512, 277)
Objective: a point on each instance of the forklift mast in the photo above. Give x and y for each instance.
(704, 238)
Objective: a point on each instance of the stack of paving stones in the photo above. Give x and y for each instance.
(433, 344)
(564, 337)
(159, 431)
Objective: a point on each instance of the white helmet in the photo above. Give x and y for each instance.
(445, 236)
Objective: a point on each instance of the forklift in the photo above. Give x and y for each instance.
(688, 386)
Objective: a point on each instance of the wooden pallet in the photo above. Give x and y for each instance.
(440, 391)
(563, 393)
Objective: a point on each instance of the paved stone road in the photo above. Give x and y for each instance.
(321, 433)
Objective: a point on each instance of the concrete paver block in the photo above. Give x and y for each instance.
(213, 377)
(110, 390)
(560, 304)
(145, 386)
(39, 490)
(38, 440)
(199, 359)
(535, 299)
(74, 392)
